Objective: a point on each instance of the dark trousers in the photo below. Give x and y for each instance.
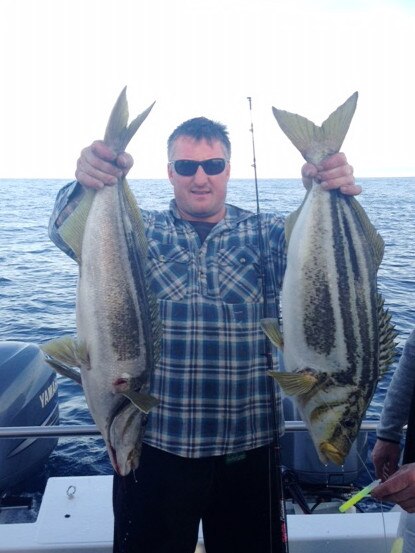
(158, 508)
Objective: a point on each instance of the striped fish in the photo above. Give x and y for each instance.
(337, 337)
(117, 317)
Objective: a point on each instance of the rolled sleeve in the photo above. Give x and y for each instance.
(66, 201)
(395, 410)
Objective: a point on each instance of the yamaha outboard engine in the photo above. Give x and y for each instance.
(28, 397)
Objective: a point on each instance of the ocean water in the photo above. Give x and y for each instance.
(37, 281)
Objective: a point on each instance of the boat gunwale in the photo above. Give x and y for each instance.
(92, 430)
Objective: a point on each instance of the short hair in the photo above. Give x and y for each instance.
(200, 128)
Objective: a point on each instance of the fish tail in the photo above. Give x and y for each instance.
(63, 354)
(316, 143)
(118, 133)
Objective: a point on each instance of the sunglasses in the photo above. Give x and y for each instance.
(188, 167)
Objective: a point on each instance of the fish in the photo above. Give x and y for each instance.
(337, 338)
(118, 336)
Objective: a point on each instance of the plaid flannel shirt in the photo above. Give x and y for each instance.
(212, 376)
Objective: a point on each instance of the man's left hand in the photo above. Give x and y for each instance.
(399, 488)
(334, 172)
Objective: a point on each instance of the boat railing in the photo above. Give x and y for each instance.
(63, 431)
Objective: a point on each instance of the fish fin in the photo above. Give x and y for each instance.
(374, 239)
(67, 350)
(143, 402)
(118, 133)
(291, 219)
(273, 331)
(294, 384)
(64, 370)
(315, 143)
(63, 354)
(72, 229)
(135, 233)
(387, 336)
(134, 217)
(63, 349)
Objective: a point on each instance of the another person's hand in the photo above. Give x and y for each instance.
(99, 166)
(385, 457)
(333, 172)
(399, 488)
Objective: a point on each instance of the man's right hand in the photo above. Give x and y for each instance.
(99, 166)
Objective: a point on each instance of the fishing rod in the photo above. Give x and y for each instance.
(409, 447)
(276, 465)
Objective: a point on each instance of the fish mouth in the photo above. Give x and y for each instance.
(130, 463)
(331, 453)
(121, 405)
(124, 437)
(113, 458)
(121, 470)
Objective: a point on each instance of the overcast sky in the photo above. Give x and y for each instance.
(64, 62)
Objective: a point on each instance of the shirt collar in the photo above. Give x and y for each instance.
(233, 214)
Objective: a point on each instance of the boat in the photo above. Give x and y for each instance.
(76, 517)
(75, 512)
(28, 396)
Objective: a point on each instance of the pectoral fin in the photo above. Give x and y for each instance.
(67, 351)
(72, 229)
(273, 331)
(294, 384)
(64, 370)
(143, 402)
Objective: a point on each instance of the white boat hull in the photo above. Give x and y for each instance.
(76, 517)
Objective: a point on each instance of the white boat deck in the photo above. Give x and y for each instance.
(76, 516)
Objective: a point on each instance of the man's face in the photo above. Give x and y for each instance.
(200, 197)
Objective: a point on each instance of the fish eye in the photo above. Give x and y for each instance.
(349, 423)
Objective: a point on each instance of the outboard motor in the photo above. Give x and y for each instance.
(28, 397)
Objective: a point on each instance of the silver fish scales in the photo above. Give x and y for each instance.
(118, 327)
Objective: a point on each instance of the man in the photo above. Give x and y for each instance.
(398, 484)
(207, 452)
